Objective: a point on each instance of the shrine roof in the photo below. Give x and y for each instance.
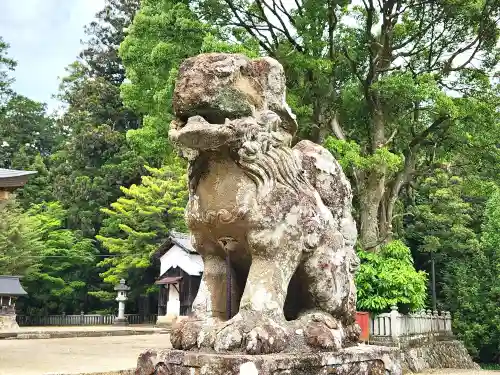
(10, 286)
(181, 240)
(168, 280)
(13, 177)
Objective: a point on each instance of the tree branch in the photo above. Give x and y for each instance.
(300, 9)
(449, 62)
(431, 129)
(251, 30)
(390, 138)
(409, 165)
(332, 24)
(284, 30)
(352, 63)
(336, 128)
(286, 13)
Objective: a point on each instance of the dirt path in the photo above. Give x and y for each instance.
(461, 372)
(75, 355)
(98, 354)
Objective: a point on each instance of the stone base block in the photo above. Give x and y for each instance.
(359, 360)
(166, 320)
(121, 322)
(8, 323)
(437, 354)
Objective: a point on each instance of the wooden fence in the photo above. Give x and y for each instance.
(81, 320)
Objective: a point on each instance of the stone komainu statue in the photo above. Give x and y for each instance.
(281, 215)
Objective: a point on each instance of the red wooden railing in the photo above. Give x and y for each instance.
(363, 319)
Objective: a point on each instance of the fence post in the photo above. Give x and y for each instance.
(395, 324)
(428, 321)
(442, 322)
(448, 323)
(82, 318)
(435, 321)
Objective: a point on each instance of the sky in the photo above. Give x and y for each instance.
(44, 38)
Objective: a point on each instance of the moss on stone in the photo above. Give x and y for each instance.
(233, 101)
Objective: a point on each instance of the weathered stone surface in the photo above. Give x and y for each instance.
(281, 216)
(8, 323)
(359, 360)
(437, 354)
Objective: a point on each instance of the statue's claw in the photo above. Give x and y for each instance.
(255, 336)
(185, 333)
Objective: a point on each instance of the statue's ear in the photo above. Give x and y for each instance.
(288, 120)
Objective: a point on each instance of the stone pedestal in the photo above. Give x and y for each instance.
(359, 360)
(165, 320)
(8, 323)
(121, 320)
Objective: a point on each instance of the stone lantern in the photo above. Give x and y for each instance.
(122, 290)
(10, 289)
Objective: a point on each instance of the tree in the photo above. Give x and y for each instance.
(388, 278)
(6, 66)
(58, 284)
(439, 224)
(91, 87)
(105, 35)
(39, 187)
(20, 241)
(95, 160)
(139, 222)
(162, 35)
(25, 127)
(381, 86)
(88, 173)
(473, 295)
(93, 100)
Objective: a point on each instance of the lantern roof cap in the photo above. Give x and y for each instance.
(122, 287)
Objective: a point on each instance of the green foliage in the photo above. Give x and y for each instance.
(24, 128)
(140, 221)
(475, 290)
(58, 283)
(490, 238)
(391, 89)
(162, 35)
(39, 187)
(388, 278)
(88, 172)
(6, 66)
(445, 213)
(350, 157)
(20, 241)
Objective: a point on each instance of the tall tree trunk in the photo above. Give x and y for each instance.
(370, 198)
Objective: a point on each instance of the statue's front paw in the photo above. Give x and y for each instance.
(255, 335)
(267, 337)
(230, 336)
(185, 333)
(322, 331)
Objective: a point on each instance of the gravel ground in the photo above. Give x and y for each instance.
(98, 354)
(461, 372)
(75, 355)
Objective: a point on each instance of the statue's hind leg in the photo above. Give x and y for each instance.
(330, 323)
(260, 326)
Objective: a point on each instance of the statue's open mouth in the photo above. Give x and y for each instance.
(197, 133)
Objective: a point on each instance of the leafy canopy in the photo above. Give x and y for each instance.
(388, 278)
(139, 221)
